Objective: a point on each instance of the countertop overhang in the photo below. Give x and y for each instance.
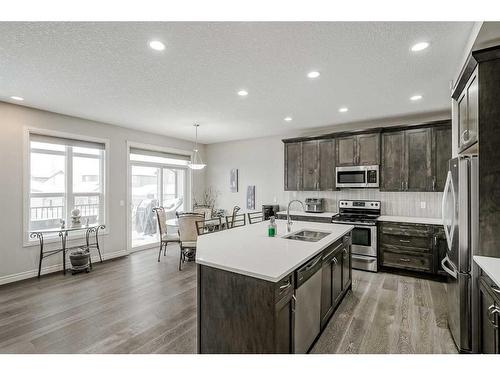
(248, 250)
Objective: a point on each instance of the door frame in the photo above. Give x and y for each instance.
(189, 187)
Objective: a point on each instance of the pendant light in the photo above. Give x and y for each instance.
(197, 163)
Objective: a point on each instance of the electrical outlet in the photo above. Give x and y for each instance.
(422, 204)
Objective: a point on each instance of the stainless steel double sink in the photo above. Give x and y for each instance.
(307, 235)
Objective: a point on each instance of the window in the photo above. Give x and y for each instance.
(64, 174)
(157, 179)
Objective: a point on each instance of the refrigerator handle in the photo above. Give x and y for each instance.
(447, 189)
(449, 271)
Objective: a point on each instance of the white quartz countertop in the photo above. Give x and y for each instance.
(411, 219)
(249, 251)
(490, 266)
(312, 214)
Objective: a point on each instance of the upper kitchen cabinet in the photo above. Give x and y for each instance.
(368, 150)
(391, 171)
(416, 159)
(326, 164)
(441, 145)
(467, 113)
(358, 149)
(418, 165)
(293, 166)
(310, 165)
(346, 151)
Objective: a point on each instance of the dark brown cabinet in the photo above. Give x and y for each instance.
(412, 247)
(418, 160)
(368, 149)
(358, 149)
(489, 318)
(310, 165)
(468, 114)
(441, 145)
(393, 163)
(284, 322)
(293, 166)
(335, 277)
(346, 151)
(326, 164)
(415, 159)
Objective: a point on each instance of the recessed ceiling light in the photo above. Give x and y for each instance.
(313, 74)
(343, 109)
(157, 45)
(242, 93)
(18, 98)
(419, 46)
(288, 119)
(416, 97)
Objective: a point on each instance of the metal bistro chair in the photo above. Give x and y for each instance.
(203, 209)
(165, 238)
(188, 235)
(236, 220)
(208, 226)
(255, 217)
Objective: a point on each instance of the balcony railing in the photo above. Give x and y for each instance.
(56, 212)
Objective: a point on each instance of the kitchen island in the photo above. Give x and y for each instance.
(260, 294)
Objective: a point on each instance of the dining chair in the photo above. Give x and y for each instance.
(203, 209)
(255, 217)
(209, 226)
(165, 238)
(188, 235)
(238, 220)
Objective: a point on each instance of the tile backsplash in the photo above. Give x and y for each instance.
(393, 203)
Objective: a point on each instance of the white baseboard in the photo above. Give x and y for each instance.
(55, 268)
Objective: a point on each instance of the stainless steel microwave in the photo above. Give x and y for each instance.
(362, 176)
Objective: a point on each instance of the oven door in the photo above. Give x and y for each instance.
(351, 177)
(364, 240)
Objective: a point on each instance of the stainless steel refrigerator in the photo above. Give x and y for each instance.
(461, 223)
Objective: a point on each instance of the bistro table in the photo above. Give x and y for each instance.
(90, 231)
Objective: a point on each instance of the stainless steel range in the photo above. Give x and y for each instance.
(363, 215)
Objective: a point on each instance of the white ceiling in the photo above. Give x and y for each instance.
(107, 72)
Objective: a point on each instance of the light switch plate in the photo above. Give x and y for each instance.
(122, 203)
(422, 204)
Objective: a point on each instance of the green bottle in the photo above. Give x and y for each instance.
(271, 229)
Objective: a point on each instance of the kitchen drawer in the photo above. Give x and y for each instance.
(417, 262)
(406, 229)
(284, 287)
(416, 242)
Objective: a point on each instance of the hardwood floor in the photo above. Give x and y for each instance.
(137, 305)
(388, 313)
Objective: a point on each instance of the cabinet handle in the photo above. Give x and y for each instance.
(285, 286)
(495, 289)
(493, 310)
(405, 260)
(405, 241)
(402, 185)
(435, 241)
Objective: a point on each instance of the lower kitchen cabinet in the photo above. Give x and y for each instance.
(489, 305)
(412, 247)
(335, 277)
(284, 323)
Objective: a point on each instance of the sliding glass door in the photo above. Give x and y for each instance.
(156, 179)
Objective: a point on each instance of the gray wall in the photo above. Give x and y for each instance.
(260, 163)
(19, 262)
